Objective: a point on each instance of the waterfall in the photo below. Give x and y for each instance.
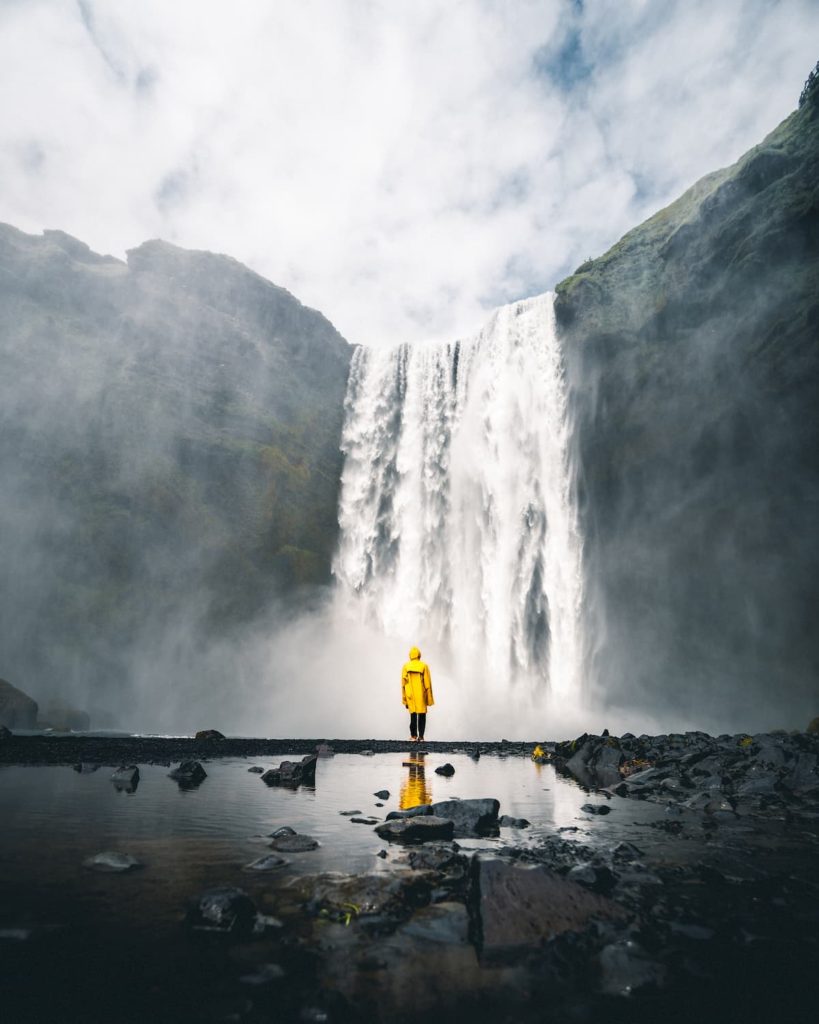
(458, 525)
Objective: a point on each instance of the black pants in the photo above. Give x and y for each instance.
(417, 723)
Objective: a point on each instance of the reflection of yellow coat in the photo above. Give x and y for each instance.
(416, 684)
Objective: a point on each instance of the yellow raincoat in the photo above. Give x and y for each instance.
(416, 684)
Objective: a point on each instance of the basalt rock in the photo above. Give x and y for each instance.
(295, 843)
(416, 829)
(111, 862)
(445, 769)
(470, 817)
(209, 736)
(223, 911)
(293, 773)
(189, 774)
(126, 778)
(17, 709)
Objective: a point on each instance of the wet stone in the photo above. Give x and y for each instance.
(111, 862)
(223, 910)
(209, 736)
(409, 812)
(522, 906)
(256, 769)
(470, 817)
(365, 821)
(505, 821)
(596, 808)
(188, 774)
(625, 967)
(126, 778)
(445, 769)
(349, 814)
(270, 862)
(416, 829)
(295, 843)
(382, 794)
(293, 773)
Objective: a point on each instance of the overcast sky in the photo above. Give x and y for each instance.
(401, 165)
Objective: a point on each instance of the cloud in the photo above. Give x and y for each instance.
(402, 167)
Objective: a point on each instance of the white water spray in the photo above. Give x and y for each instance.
(458, 522)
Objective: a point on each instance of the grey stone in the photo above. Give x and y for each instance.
(126, 778)
(17, 709)
(382, 794)
(225, 910)
(208, 736)
(111, 862)
(365, 821)
(596, 808)
(416, 829)
(270, 862)
(410, 812)
(256, 769)
(349, 814)
(470, 817)
(445, 769)
(293, 773)
(283, 830)
(505, 821)
(188, 774)
(444, 922)
(295, 843)
(522, 906)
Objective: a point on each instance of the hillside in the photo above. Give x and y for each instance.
(693, 351)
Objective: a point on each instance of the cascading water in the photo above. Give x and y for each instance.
(458, 522)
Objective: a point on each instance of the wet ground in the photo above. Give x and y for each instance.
(651, 910)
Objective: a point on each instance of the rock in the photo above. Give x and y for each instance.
(625, 853)
(224, 910)
(294, 843)
(126, 778)
(378, 803)
(5, 733)
(382, 854)
(256, 769)
(364, 821)
(189, 774)
(625, 967)
(416, 829)
(445, 769)
(382, 794)
(523, 906)
(802, 776)
(596, 808)
(17, 709)
(410, 812)
(596, 877)
(505, 821)
(469, 817)
(349, 814)
(208, 736)
(270, 862)
(285, 830)
(111, 863)
(293, 773)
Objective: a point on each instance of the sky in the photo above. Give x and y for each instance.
(404, 166)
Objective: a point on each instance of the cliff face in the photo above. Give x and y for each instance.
(168, 447)
(693, 353)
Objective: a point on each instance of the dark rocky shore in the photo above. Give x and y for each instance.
(708, 911)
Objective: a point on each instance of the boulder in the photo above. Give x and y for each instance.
(382, 794)
(189, 774)
(625, 967)
(111, 863)
(270, 862)
(445, 769)
(294, 843)
(505, 821)
(126, 778)
(293, 773)
(208, 736)
(409, 812)
(523, 906)
(17, 709)
(416, 829)
(223, 910)
(470, 817)
(256, 769)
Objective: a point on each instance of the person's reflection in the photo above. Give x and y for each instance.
(414, 787)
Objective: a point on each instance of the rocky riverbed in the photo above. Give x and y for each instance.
(664, 878)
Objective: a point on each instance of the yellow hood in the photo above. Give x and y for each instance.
(414, 654)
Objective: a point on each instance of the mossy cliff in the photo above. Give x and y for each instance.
(693, 354)
(169, 452)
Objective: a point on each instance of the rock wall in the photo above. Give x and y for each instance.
(169, 449)
(693, 356)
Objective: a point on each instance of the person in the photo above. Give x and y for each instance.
(416, 693)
